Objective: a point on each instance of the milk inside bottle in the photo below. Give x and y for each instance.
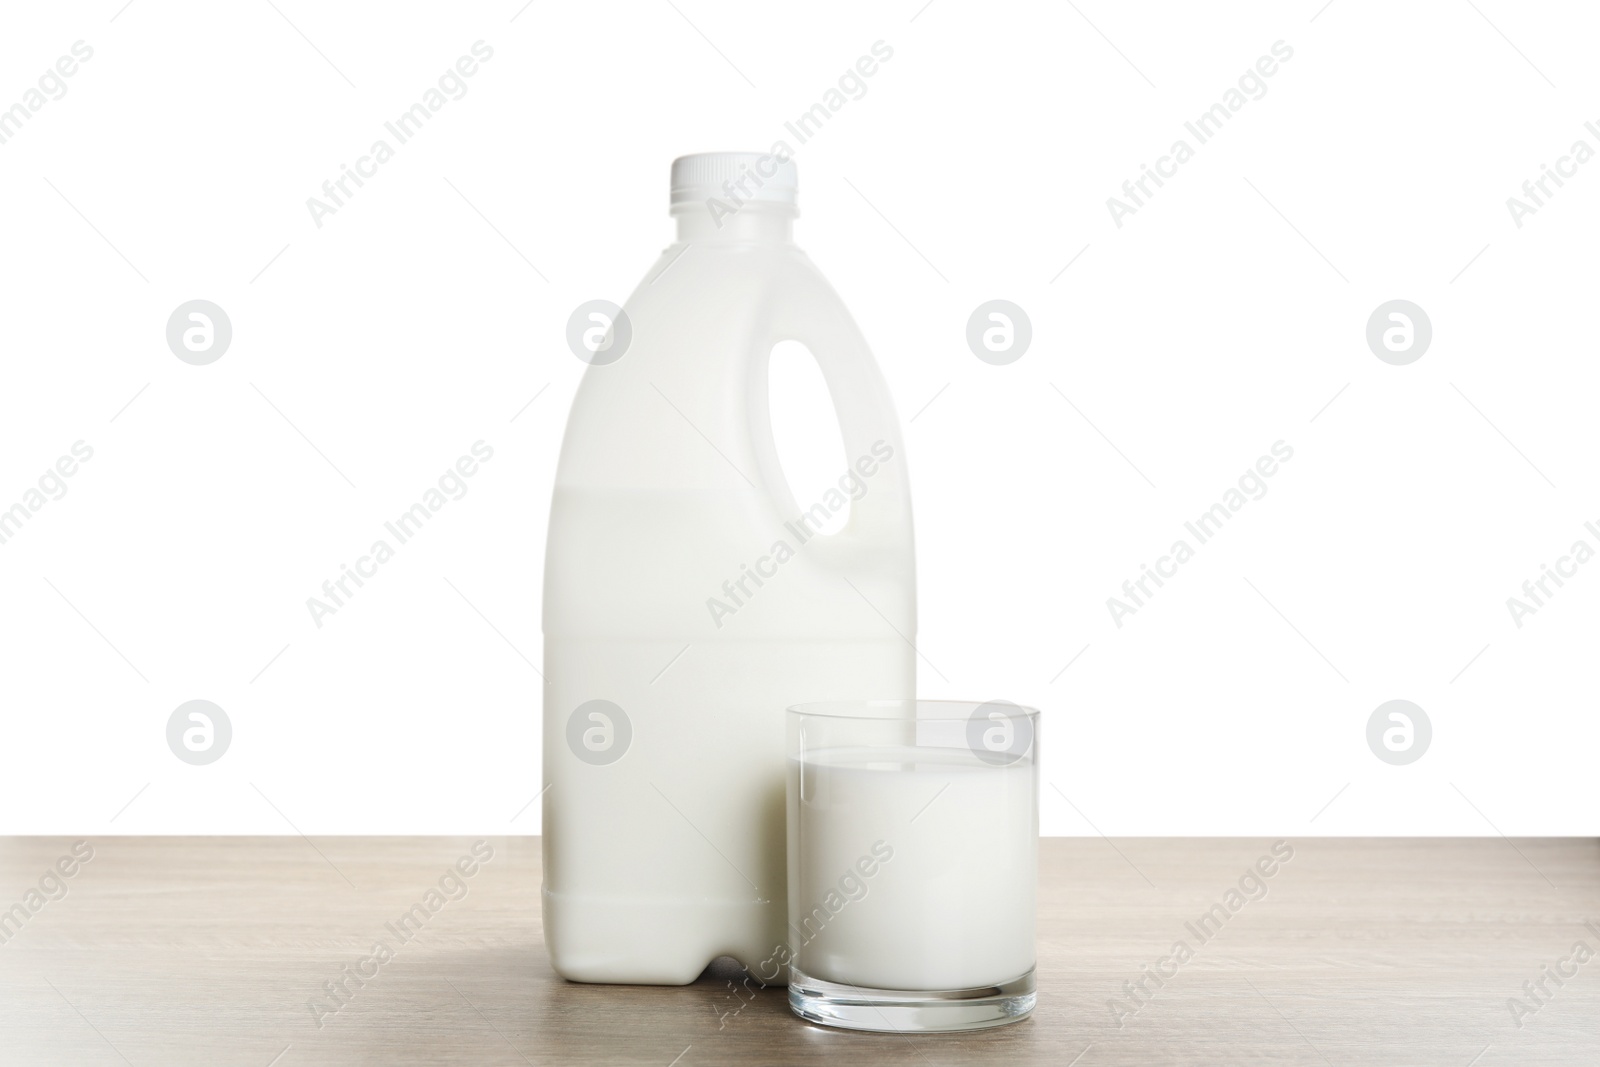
(690, 598)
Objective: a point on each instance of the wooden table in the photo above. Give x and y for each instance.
(171, 951)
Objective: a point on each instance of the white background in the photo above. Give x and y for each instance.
(1227, 314)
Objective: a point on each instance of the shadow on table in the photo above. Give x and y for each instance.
(719, 1018)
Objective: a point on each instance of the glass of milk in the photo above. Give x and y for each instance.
(913, 833)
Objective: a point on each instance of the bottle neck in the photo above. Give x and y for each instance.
(725, 223)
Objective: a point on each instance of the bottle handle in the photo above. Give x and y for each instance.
(874, 450)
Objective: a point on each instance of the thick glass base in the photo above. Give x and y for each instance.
(910, 1011)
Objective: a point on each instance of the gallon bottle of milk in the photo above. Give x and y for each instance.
(690, 598)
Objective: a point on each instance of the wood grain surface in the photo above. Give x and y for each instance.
(216, 951)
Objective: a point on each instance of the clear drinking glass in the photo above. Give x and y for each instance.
(913, 834)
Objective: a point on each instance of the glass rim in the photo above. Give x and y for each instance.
(885, 710)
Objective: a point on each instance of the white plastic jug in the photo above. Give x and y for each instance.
(689, 598)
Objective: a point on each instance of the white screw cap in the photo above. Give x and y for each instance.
(734, 178)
